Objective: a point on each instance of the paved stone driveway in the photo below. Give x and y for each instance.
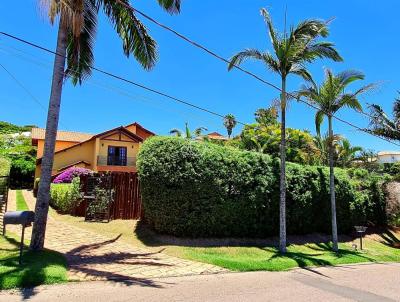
(91, 256)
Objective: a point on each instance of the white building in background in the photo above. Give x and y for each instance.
(388, 157)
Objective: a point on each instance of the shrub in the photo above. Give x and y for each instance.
(69, 174)
(64, 197)
(199, 189)
(5, 165)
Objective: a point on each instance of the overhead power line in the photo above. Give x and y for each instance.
(23, 87)
(32, 96)
(185, 102)
(123, 79)
(144, 99)
(249, 73)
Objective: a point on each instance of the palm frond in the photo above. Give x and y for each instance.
(348, 76)
(176, 132)
(321, 50)
(134, 35)
(171, 6)
(253, 54)
(349, 100)
(198, 131)
(310, 29)
(271, 29)
(80, 47)
(319, 118)
(302, 72)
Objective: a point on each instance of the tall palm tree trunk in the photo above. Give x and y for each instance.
(42, 203)
(332, 188)
(282, 186)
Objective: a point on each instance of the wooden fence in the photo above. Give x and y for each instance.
(126, 203)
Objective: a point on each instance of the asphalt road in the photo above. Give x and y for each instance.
(369, 282)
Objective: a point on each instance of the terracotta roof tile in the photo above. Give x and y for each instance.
(67, 136)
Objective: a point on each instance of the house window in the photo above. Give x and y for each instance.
(116, 156)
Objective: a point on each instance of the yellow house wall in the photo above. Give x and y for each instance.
(88, 151)
(64, 158)
(59, 146)
(132, 148)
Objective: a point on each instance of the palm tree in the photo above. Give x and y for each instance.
(229, 123)
(188, 134)
(330, 97)
(75, 45)
(381, 124)
(291, 52)
(347, 152)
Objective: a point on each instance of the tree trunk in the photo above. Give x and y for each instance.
(282, 187)
(332, 188)
(43, 196)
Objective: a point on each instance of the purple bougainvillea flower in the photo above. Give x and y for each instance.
(69, 174)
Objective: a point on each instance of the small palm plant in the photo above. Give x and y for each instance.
(347, 153)
(229, 123)
(331, 97)
(188, 134)
(291, 53)
(322, 143)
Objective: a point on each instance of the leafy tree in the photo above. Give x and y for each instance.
(331, 97)
(21, 154)
(8, 128)
(267, 116)
(381, 124)
(229, 123)
(291, 52)
(300, 147)
(75, 46)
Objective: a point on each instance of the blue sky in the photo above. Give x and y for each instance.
(365, 32)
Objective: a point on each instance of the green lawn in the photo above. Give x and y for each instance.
(248, 256)
(21, 203)
(312, 254)
(44, 267)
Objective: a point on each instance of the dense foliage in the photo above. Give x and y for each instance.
(8, 128)
(65, 196)
(265, 138)
(5, 165)
(200, 189)
(17, 147)
(69, 174)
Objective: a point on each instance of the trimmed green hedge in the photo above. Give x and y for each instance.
(198, 189)
(64, 197)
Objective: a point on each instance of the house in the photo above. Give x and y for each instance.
(216, 136)
(112, 150)
(388, 157)
(213, 136)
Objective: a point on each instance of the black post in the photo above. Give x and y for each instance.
(21, 245)
(361, 235)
